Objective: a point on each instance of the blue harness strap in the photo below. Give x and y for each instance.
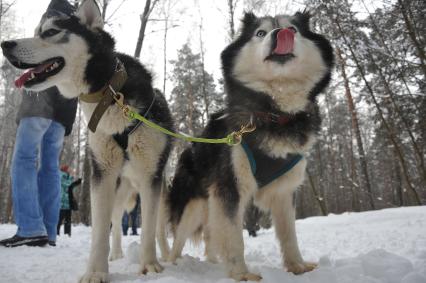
(266, 169)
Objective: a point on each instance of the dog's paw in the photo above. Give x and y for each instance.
(115, 255)
(246, 276)
(95, 277)
(151, 267)
(299, 268)
(164, 256)
(173, 258)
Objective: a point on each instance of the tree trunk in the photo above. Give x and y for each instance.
(355, 126)
(355, 196)
(104, 8)
(411, 32)
(381, 115)
(84, 198)
(400, 72)
(204, 83)
(144, 21)
(79, 141)
(418, 151)
(231, 11)
(399, 195)
(166, 30)
(319, 199)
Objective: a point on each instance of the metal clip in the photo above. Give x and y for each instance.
(119, 99)
(238, 135)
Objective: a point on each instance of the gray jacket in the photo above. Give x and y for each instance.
(49, 104)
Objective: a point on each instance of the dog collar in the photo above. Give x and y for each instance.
(105, 96)
(268, 117)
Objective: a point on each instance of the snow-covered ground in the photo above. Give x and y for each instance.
(386, 246)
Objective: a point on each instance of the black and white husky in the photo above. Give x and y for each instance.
(75, 54)
(274, 71)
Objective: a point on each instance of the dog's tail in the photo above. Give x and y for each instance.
(175, 198)
(185, 188)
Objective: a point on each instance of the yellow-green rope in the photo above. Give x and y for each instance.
(233, 138)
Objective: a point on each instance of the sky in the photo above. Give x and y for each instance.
(124, 25)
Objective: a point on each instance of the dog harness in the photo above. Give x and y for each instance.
(266, 169)
(105, 96)
(123, 138)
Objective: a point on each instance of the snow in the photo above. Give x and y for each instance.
(386, 246)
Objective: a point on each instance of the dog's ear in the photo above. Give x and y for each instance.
(248, 24)
(89, 14)
(249, 19)
(303, 18)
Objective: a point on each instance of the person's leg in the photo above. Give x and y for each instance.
(26, 207)
(134, 217)
(61, 218)
(49, 178)
(67, 222)
(125, 223)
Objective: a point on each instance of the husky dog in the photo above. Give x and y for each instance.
(274, 71)
(75, 54)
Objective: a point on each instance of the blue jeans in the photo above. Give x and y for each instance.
(36, 183)
(125, 221)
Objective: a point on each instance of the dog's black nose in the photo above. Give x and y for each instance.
(8, 45)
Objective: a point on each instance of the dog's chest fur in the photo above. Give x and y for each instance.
(112, 121)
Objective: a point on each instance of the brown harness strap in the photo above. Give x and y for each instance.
(280, 119)
(105, 96)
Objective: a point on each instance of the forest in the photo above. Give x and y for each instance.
(371, 149)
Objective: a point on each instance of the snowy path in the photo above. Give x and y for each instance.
(386, 246)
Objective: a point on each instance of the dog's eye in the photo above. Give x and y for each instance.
(50, 32)
(293, 29)
(261, 33)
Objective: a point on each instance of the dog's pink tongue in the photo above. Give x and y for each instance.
(285, 42)
(27, 75)
(22, 79)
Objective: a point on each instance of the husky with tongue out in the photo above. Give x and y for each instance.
(73, 52)
(274, 71)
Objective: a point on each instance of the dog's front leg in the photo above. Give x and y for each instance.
(120, 201)
(150, 195)
(102, 193)
(284, 216)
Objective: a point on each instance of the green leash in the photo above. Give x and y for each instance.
(233, 138)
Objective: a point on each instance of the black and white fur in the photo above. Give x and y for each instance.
(213, 183)
(85, 61)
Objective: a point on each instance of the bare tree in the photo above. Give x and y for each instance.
(149, 7)
(232, 5)
(390, 131)
(168, 21)
(206, 100)
(5, 7)
(404, 7)
(355, 126)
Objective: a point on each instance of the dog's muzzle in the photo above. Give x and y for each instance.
(7, 47)
(282, 45)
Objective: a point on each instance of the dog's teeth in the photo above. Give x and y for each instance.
(32, 76)
(55, 65)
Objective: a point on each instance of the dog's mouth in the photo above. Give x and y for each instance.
(38, 72)
(282, 46)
